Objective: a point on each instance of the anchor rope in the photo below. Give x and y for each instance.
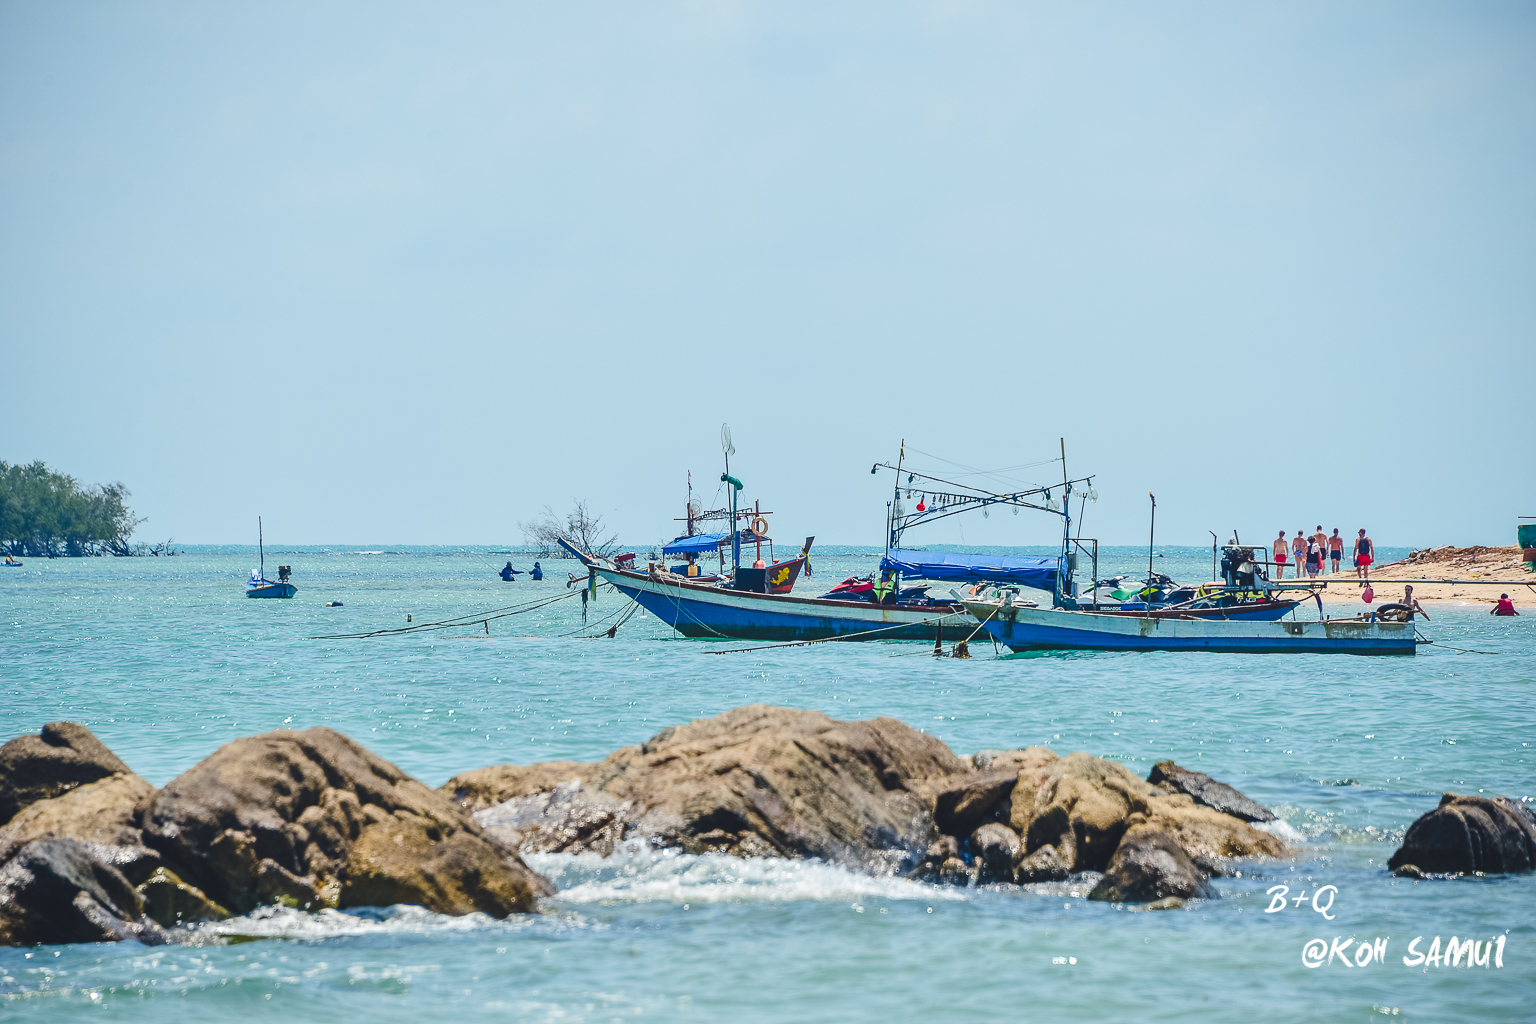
(841, 636)
(458, 620)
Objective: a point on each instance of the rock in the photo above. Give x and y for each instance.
(1465, 834)
(1207, 792)
(54, 891)
(995, 846)
(964, 802)
(1166, 903)
(1148, 865)
(170, 901)
(754, 781)
(104, 815)
(64, 755)
(954, 872)
(1043, 865)
(1084, 805)
(312, 819)
(1409, 871)
(943, 850)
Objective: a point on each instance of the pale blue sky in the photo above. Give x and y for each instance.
(405, 273)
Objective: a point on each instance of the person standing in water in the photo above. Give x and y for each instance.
(1504, 607)
(1365, 554)
(1336, 550)
(1320, 538)
(1282, 551)
(1314, 557)
(1299, 552)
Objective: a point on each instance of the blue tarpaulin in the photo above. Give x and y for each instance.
(1023, 570)
(698, 544)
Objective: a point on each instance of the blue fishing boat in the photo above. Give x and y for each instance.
(1021, 627)
(258, 585)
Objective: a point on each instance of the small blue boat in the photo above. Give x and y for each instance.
(258, 585)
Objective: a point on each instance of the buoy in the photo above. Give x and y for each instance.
(333, 604)
(920, 506)
(407, 618)
(1368, 595)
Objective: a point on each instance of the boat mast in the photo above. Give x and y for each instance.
(1064, 587)
(1151, 536)
(261, 548)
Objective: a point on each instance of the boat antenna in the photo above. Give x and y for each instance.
(1151, 536)
(1064, 587)
(730, 449)
(261, 548)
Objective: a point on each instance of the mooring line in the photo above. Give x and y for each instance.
(842, 636)
(458, 620)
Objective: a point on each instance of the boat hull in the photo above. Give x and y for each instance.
(1258, 611)
(1038, 629)
(272, 590)
(715, 613)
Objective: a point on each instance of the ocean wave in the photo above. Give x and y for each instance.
(673, 876)
(284, 923)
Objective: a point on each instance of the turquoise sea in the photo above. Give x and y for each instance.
(165, 659)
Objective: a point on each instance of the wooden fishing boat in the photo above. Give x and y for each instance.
(258, 585)
(1022, 628)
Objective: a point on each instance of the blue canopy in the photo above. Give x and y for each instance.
(698, 544)
(1023, 570)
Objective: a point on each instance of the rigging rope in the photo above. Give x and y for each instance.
(457, 620)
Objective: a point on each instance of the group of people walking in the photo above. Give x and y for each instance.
(1311, 555)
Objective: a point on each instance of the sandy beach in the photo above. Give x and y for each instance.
(1476, 569)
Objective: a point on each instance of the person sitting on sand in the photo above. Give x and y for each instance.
(1365, 554)
(1504, 607)
(1336, 549)
(1282, 551)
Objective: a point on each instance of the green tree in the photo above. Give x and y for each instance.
(48, 515)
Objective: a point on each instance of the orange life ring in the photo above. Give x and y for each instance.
(760, 526)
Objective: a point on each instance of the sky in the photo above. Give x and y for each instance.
(408, 273)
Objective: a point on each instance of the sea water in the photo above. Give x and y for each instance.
(165, 659)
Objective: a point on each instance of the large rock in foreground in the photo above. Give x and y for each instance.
(1207, 792)
(1466, 834)
(55, 891)
(754, 781)
(64, 755)
(1149, 866)
(313, 819)
(103, 815)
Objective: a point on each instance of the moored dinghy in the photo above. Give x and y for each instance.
(258, 585)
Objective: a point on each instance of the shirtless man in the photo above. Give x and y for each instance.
(1321, 538)
(1365, 554)
(1282, 552)
(1336, 549)
(1412, 603)
(1299, 552)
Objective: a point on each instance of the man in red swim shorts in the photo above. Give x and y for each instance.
(1504, 607)
(1282, 552)
(1365, 554)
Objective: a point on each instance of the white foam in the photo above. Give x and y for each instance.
(1280, 830)
(673, 876)
(286, 923)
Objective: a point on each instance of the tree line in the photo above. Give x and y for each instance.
(44, 514)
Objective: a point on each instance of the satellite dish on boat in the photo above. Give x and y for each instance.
(725, 439)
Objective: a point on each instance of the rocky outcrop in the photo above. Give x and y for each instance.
(1083, 806)
(1207, 792)
(103, 815)
(64, 755)
(996, 847)
(56, 890)
(1149, 865)
(754, 781)
(312, 819)
(1467, 834)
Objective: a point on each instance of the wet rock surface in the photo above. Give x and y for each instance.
(1467, 834)
(1207, 792)
(1149, 865)
(103, 815)
(56, 891)
(754, 781)
(312, 819)
(64, 755)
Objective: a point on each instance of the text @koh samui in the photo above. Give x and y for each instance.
(1350, 953)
